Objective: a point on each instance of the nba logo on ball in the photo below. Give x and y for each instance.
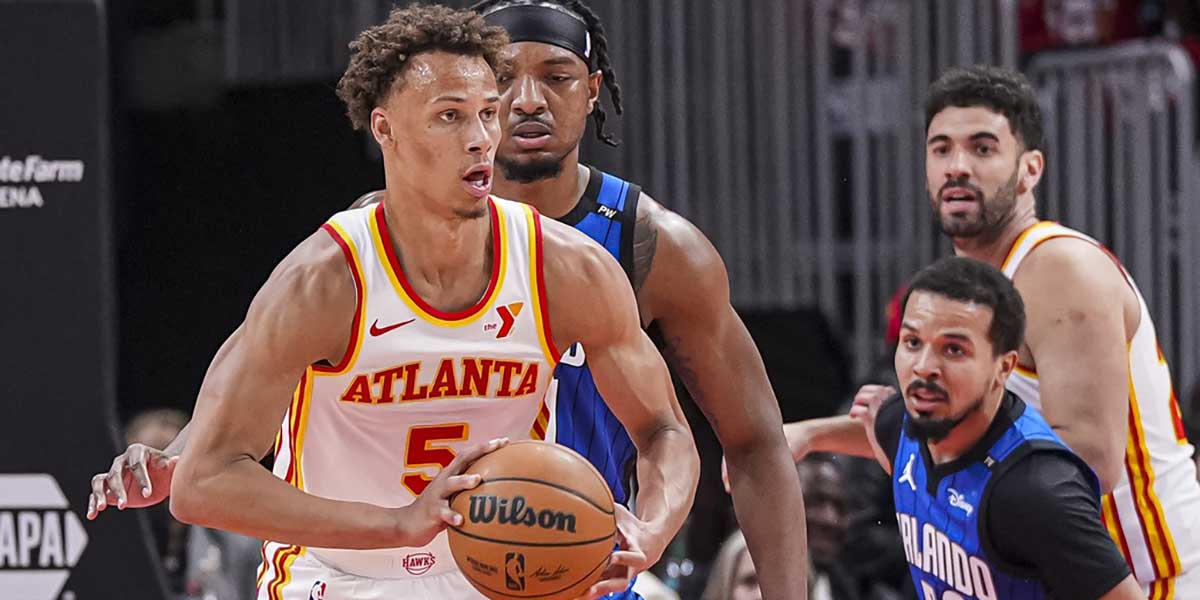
(540, 524)
(514, 571)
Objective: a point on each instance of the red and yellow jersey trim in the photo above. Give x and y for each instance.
(1159, 543)
(282, 563)
(1012, 251)
(345, 242)
(383, 245)
(541, 424)
(297, 427)
(537, 284)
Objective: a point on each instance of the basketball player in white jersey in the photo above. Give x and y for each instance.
(417, 329)
(1091, 361)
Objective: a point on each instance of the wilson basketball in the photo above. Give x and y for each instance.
(539, 525)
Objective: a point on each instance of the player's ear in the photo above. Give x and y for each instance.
(1032, 166)
(381, 127)
(594, 81)
(1005, 366)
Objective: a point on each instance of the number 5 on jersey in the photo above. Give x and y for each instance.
(425, 448)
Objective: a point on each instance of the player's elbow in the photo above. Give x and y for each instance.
(1107, 462)
(187, 496)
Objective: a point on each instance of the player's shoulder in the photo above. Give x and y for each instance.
(669, 227)
(314, 276)
(1069, 256)
(568, 251)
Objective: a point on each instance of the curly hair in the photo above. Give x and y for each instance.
(380, 54)
(996, 88)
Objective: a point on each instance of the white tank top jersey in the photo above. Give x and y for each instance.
(1153, 514)
(415, 385)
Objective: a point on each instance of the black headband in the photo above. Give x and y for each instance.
(545, 23)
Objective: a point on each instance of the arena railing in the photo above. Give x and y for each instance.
(1123, 166)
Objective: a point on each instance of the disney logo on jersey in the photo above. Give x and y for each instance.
(419, 563)
(486, 508)
(508, 317)
(958, 500)
(465, 378)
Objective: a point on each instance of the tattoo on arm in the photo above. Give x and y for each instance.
(682, 367)
(645, 243)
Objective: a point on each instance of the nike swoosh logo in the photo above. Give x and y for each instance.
(377, 331)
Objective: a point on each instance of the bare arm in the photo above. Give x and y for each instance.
(591, 302)
(686, 293)
(1076, 331)
(219, 482)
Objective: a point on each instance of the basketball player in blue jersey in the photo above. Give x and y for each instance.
(550, 80)
(991, 504)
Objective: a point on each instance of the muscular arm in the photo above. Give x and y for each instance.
(590, 302)
(1076, 331)
(219, 482)
(686, 293)
(175, 448)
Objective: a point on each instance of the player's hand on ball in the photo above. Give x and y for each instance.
(637, 550)
(140, 476)
(430, 513)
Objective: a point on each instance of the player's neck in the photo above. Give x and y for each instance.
(993, 248)
(553, 197)
(967, 434)
(436, 248)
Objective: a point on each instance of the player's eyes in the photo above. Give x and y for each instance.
(911, 343)
(986, 150)
(449, 116)
(559, 78)
(488, 114)
(955, 350)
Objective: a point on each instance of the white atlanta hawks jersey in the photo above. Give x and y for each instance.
(1154, 512)
(415, 385)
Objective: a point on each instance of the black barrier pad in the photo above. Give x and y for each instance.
(57, 323)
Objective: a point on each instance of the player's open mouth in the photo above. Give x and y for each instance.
(924, 399)
(478, 180)
(959, 194)
(531, 135)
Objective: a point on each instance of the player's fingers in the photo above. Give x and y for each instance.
(859, 411)
(633, 559)
(459, 483)
(91, 511)
(98, 492)
(471, 454)
(615, 585)
(450, 517)
(141, 472)
(116, 482)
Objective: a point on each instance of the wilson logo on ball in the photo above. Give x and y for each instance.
(505, 511)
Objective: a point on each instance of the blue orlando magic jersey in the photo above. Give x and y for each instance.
(582, 421)
(941, 510)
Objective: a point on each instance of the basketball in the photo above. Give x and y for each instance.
(539, 525)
